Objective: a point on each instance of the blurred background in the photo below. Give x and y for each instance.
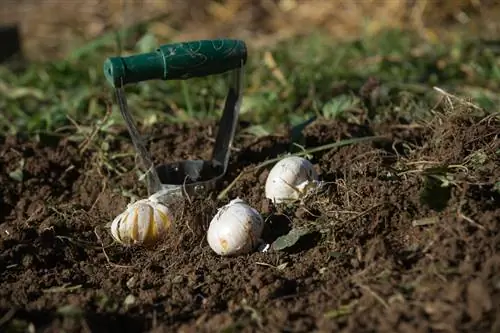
(309, 57)
(53, 28)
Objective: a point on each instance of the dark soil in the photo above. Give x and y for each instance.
(365, 266)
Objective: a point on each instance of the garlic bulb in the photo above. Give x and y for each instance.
(235, 229)
(143, 222)
(290, 179)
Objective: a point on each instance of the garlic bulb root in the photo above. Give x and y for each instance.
(290, 179)
(235, 229)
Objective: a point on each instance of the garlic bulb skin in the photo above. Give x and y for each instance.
(235, 229)
(144, 222)
(290, 179)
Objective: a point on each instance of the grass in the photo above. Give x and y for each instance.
(285, 84)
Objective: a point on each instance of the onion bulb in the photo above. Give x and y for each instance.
(290, 179)
(144, 222)
(235, 229)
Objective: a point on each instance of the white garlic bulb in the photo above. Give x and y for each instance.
(290, 179)
(143, 222)
(235, 229)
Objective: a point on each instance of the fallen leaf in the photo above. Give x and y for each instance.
(289, 239)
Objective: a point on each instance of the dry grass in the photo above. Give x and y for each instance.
(54, 27)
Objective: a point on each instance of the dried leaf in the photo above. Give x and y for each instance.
(18, 174)
(289, 239)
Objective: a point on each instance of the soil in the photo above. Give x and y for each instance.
(390, 248)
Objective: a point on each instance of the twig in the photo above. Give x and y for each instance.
(184, 191)
(449, 96)
(62, 289)
(374, 294)
(104, 184)
(343, 211)
(105, 254)
(363, 213)
(78, 242)
(264, 264)
(254, 314)
(471, 221)
(460, 215)
(404, 126)
(88, 140)
(425, 221)
(212, 140)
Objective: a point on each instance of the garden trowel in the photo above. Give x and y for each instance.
(181, 61)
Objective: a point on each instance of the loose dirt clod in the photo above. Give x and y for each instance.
(364, 266)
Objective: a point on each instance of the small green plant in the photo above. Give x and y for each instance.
(436, 192)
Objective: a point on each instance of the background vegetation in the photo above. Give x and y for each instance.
(305, 58)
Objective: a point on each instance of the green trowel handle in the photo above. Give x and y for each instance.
(177, 61)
